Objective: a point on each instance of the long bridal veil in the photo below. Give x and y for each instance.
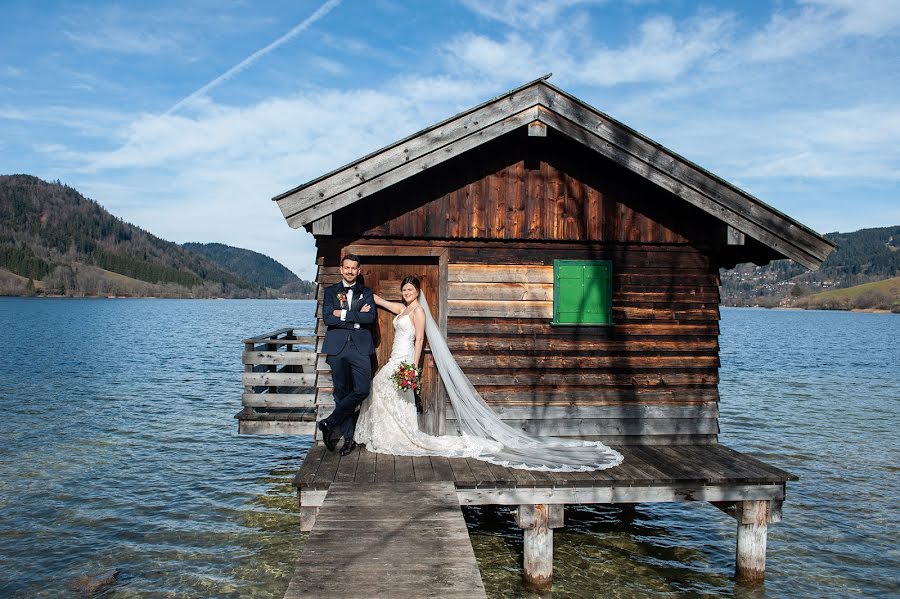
(517, 449)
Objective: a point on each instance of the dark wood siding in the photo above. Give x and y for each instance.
(650, 377)
(520, 188)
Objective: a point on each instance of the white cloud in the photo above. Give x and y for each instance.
(246, 63)
(11, 71)
(523, 14)
(707, 87)
(512, 59)
(662, 53)
(819, 24)
(786, 36)
(215, 170)
(120, 30)
(856, 142)
(124, 39)
(862, 17)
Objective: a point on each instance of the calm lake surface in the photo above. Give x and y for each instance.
(118, 449)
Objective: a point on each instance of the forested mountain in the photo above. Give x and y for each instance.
(861, 257)
(250, 266)
(60, 242)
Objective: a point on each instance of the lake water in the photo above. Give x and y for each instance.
(118, 449)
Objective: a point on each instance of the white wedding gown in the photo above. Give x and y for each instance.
(388, 421)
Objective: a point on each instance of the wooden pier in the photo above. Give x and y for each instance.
(740, 485)
(388, 540)
(572, 264)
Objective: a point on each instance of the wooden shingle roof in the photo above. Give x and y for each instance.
(543, 102)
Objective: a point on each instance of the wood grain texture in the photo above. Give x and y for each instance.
(643, 465)
(388, 540)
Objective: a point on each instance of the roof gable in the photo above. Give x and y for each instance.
(540, 101)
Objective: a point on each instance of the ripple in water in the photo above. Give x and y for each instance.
(120, 451)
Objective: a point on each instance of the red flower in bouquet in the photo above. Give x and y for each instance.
(407, 377)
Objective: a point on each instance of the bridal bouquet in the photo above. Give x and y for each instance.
(407, 377)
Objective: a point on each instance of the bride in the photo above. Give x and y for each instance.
(388, 422)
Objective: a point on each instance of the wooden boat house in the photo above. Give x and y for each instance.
(573, 265)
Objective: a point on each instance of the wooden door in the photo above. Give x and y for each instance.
(383, 275)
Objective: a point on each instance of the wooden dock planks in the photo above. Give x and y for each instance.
(392, 539)
(643, 466)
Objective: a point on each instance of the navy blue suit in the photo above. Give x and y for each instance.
(349, 352)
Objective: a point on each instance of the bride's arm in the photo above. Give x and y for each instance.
(418, 318)
(395, 307)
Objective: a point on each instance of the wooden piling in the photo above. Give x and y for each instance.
(538, 522)
(752, 530)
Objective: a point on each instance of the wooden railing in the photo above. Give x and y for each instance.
(279, 384)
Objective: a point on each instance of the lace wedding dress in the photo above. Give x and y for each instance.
(388, 422)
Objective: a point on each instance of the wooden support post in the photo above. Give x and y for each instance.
(538, 521)
(752, 528)
(308, 517)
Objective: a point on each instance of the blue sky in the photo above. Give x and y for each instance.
(186, 117)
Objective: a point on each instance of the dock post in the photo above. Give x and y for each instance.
(538, 522)
(308, 517)
(752, 529)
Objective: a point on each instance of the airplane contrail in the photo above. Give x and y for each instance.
(321, 12)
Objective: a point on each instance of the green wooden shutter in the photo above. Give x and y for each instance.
(581, 292)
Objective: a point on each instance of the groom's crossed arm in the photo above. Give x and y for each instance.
(355, 316)
(352, 317)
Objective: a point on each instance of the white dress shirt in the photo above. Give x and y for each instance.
(349, 291)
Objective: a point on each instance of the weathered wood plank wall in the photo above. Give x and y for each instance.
(504, 212)
(662, 350)
(549, 189)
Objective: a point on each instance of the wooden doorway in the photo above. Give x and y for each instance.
(383, 268)
(383, 275)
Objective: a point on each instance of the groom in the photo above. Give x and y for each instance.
(348, 343)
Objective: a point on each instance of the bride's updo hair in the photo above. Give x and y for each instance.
(412, 280)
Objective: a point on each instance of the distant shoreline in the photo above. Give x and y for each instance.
(793, 309)
(126, 297)
(155, 297)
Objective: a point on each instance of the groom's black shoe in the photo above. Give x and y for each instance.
(348, 447)
(327, 437)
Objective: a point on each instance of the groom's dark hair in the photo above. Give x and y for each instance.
(353, 257)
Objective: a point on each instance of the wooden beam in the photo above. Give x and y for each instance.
(614, 411)
(537, 129)
(322, 226)
(688, 173)
(654, 494)
(734, 237)
(275, 427)
(438, 155)
(530, 516)
(623, 145)
(655, 170)
(279, 400)
(409, 149)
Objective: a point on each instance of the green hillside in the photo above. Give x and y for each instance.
(880, 295)
(250, 266)
(864, 256)
(66, 244)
